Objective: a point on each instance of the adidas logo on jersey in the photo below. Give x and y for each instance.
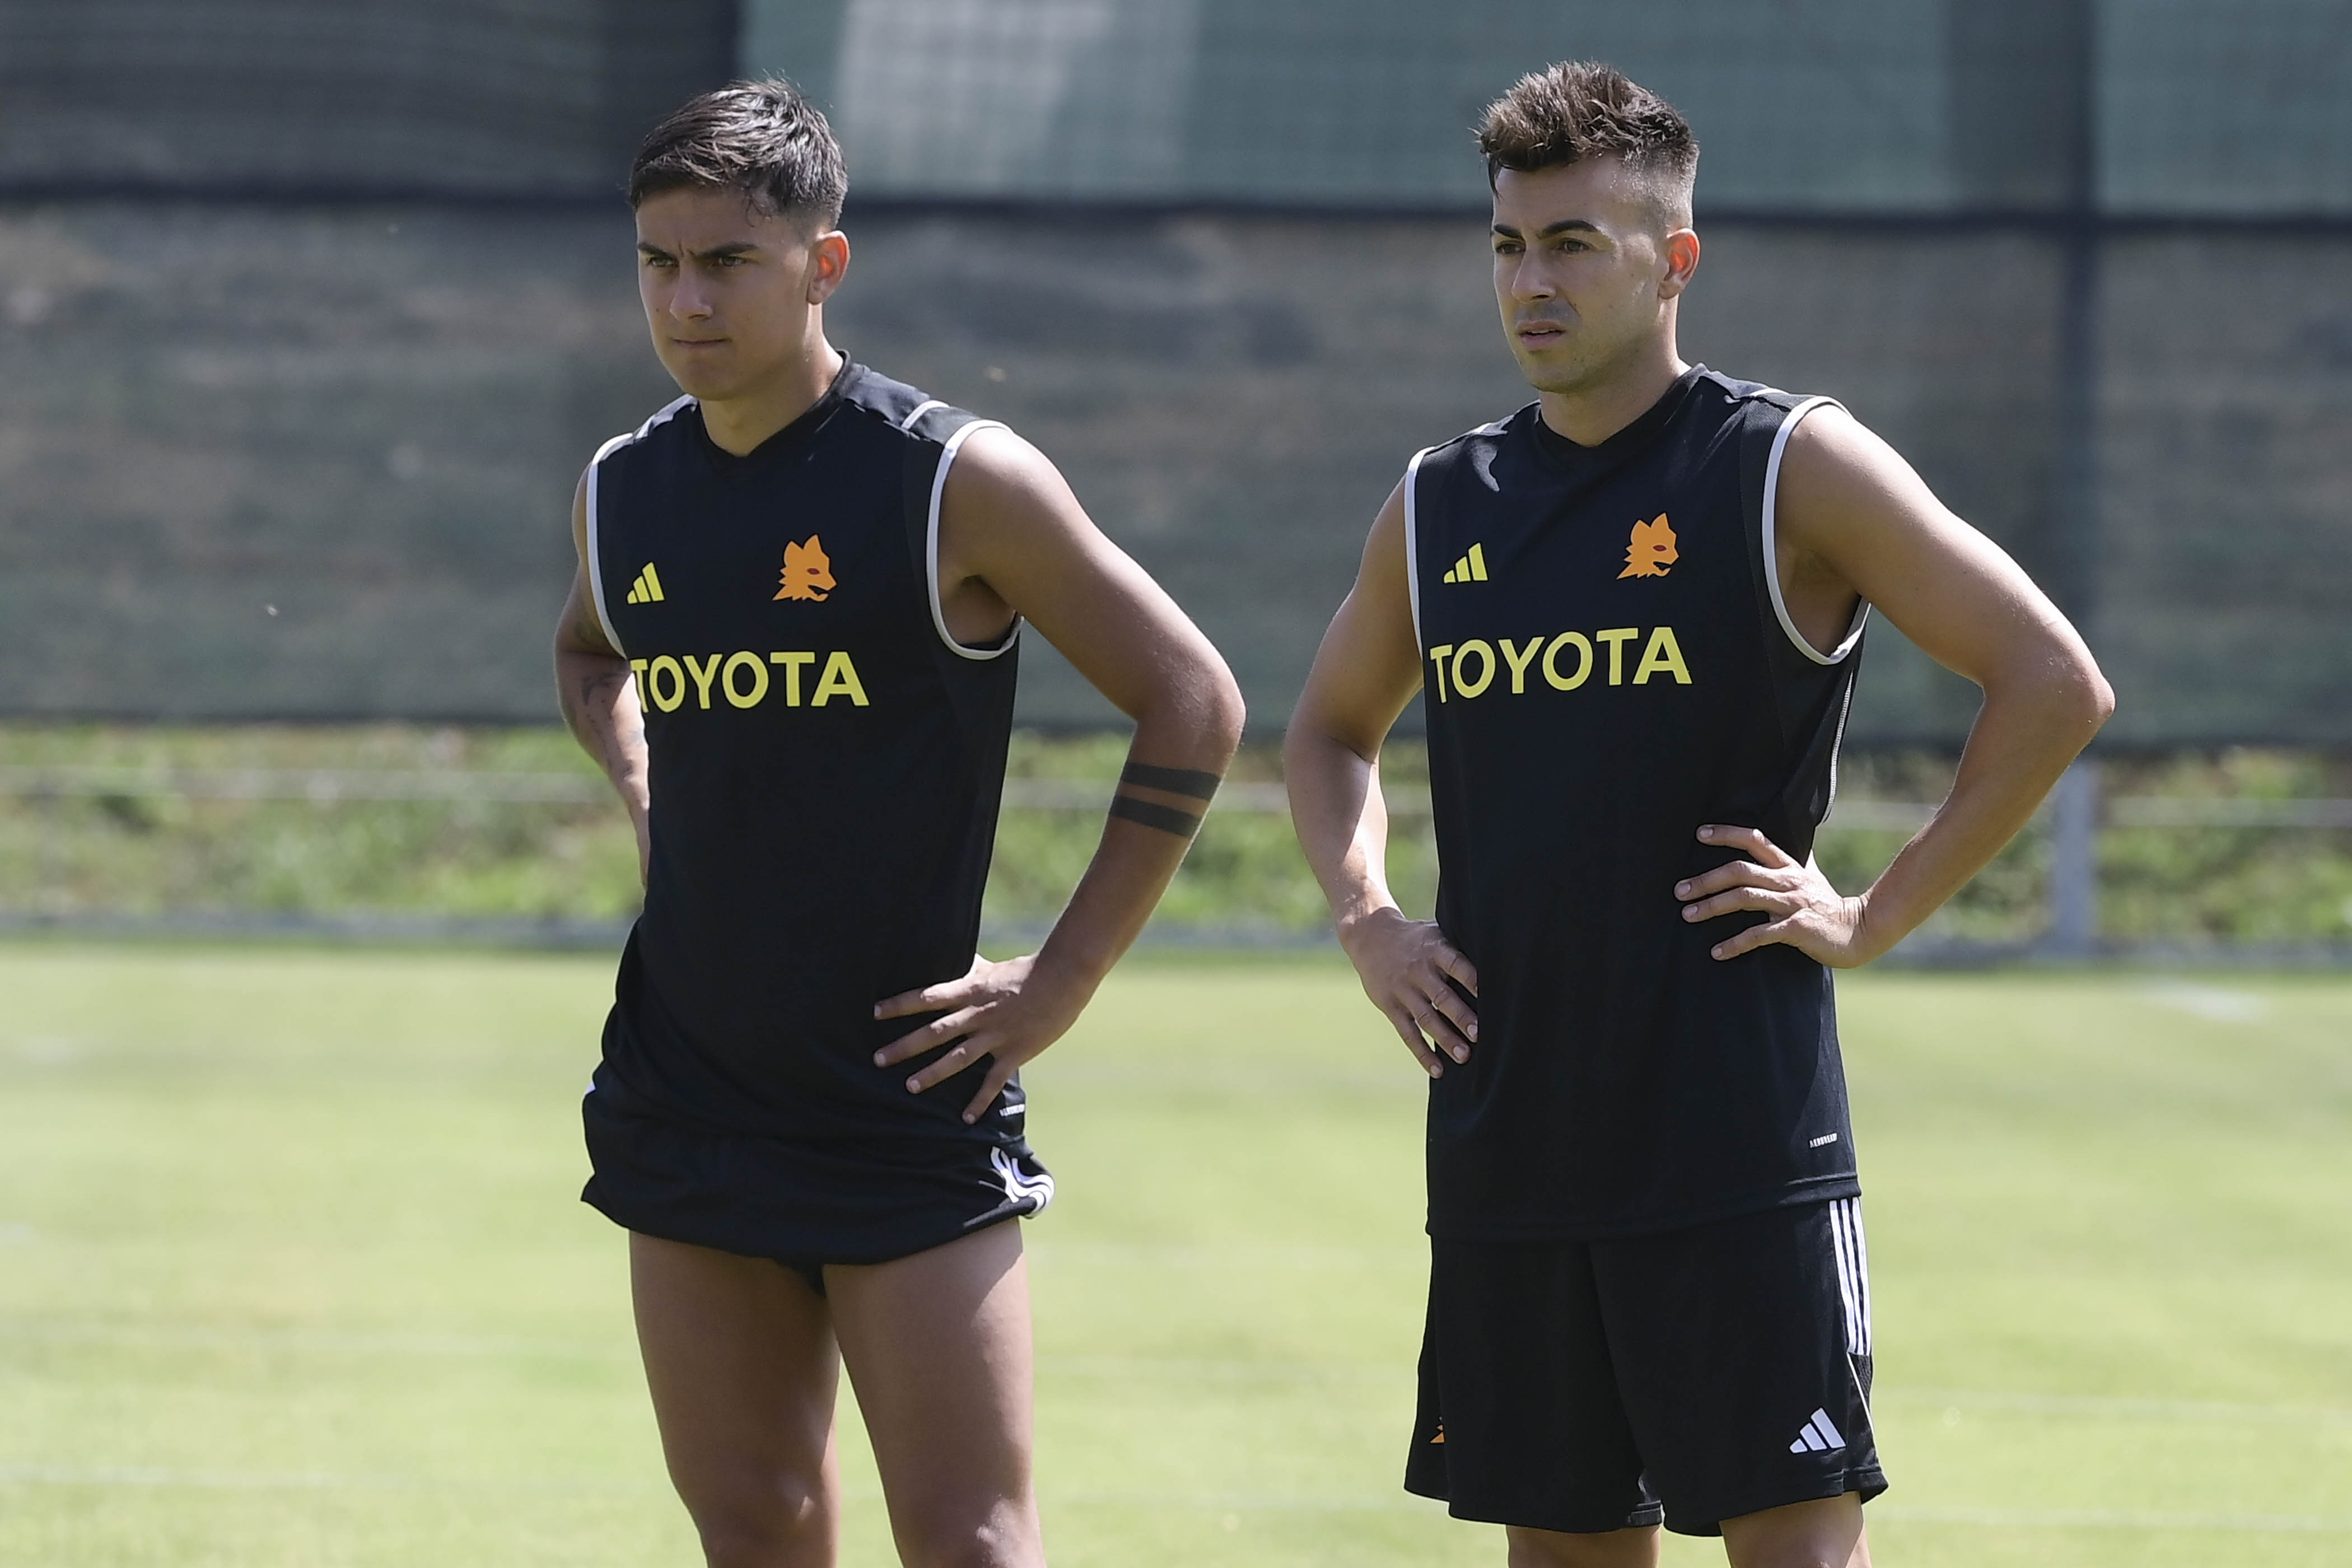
(1818, 1435)
(808, 571)
(1471, 568)
(647, 589)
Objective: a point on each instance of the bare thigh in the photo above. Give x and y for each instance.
(1632, 1548)
(1825, 1534)
(938, 1349)
(740, 1358)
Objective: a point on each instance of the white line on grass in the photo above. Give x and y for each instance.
(1256, 1255)
(177, 1336)
(1183, 1369)
(1175, 1369)
(2110, 1407)
(292, 1480)
(2208, 1002)
(152, 1476)
(2109, 1518)
(1397, 1083)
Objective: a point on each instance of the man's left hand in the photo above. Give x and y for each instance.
(1008, 1012)
(1808, 913)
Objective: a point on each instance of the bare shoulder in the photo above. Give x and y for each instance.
(1006, 513)
(1840, 479)
(1384, 546)
(1001, 475)
(580, 515)
(580, 630)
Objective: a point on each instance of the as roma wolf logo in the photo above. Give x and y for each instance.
(1652, 552)
(808, 574)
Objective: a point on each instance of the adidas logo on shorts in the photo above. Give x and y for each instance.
(1818, 1435)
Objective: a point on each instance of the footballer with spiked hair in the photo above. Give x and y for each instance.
(1635, 609)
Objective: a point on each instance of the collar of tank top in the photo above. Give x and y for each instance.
(1562, 450)
(730, 464)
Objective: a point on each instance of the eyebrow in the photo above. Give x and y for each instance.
(1562, 227)
(717, 252)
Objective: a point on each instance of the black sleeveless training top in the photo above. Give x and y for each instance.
(1607, 665)
(827, 764)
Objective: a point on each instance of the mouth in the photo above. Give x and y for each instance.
(1539, 334)
(697, 342)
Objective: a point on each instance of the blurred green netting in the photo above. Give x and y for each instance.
(313, 310)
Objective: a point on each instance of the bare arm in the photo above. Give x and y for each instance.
(1855, 519)
(1014, 539)
(1366, 671)
(595, 689)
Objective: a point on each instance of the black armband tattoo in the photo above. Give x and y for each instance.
(1166, 819)
(1191, 782)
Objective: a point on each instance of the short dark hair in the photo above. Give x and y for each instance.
(1582, 109)
(761, 138)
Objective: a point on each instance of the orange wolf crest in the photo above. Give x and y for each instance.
(1653, 550)
(808, 573)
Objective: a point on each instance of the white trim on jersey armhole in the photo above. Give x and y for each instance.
(1412, 544)
(1771, 557)
(665, 411)
(594, 564)
(932, 548)
(925, 407)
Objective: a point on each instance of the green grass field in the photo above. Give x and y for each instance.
(291, 1271)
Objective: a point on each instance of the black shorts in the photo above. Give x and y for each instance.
(1685, 1378)
(804, 1203)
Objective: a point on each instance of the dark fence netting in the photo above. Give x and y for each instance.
(522, 98)
(311, 310)
(267, 463)
(1917, 106)
(2224, 571)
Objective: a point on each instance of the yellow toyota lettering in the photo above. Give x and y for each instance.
(1583, 661)
(1467, 668)
(637, 672)
(839, 679)
(1617, 637)
(1518, 661)
(791, 663)
(750, 662)
(703, 676)
(668, 666)
(1486, 652)
(1662, 657)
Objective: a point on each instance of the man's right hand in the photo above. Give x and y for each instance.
(1405, 966)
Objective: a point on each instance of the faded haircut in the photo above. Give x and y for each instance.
(1581, 108)
(761, 138)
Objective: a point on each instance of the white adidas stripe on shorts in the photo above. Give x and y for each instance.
(1854, 1272)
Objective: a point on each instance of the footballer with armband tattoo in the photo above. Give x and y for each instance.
(791, 644)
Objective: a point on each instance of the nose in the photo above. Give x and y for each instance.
(688, 300)
(1529, 281)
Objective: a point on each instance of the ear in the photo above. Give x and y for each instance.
(1680, 254)
(828, 262)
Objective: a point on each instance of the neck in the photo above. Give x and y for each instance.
(738, 425)
(1590, 414)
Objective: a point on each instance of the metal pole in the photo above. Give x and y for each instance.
(2023, 110)
(2074, 890)
(2075, 863)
